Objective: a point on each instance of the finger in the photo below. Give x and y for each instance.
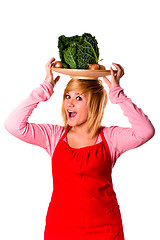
(48, 69)
(118, 66)
(122, 74)
(49, 65)
(50, 61)
(113, 75)
(121, 67)
(57, 79)
(120, 70)
(107, 81)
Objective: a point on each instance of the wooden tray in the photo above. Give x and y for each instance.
(83, 73)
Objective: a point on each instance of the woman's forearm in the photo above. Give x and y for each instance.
(17, 122)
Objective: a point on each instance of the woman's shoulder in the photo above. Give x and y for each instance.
(108, 130)
(108, 133)
(57, 130)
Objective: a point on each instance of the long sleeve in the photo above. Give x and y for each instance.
(38, 134)
(122, 139)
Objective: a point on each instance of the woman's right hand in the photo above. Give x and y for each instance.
(49, 75)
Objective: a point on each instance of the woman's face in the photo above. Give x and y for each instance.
(76, 108)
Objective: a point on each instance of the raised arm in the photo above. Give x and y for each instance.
(141, 130)
(17, 122)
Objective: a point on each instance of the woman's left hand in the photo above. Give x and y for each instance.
(115, 77)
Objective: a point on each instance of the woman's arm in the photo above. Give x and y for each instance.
(123, 139)
(141, 129)
(17, 122)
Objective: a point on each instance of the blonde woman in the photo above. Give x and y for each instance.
(83, 204)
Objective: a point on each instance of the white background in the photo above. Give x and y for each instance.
(127, 33)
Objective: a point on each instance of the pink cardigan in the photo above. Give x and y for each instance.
(119, 139)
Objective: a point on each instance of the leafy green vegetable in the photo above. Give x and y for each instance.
(78, 51)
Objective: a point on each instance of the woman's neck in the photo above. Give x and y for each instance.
(80, 131)
(77, 138)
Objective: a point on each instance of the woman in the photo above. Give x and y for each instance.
(83, 204)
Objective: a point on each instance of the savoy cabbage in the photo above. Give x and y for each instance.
(78, 51)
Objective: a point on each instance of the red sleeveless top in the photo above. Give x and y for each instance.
(83, 204)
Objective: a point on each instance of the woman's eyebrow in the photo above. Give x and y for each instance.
(81, 93)
(77, 93)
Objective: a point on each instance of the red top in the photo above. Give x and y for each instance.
(83, 203)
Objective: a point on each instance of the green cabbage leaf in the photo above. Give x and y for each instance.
(78, 51)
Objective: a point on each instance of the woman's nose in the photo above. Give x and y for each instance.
(71, 103)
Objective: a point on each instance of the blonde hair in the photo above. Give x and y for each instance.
(97, 100)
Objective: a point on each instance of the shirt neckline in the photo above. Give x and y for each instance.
(82, 148)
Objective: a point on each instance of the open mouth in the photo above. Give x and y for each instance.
(71, 114)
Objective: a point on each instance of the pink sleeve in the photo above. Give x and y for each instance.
(43, 135)
(122, 139)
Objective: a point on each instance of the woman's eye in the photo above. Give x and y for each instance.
(67, 96)
(79, 98)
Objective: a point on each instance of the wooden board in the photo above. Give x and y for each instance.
(83, 73)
